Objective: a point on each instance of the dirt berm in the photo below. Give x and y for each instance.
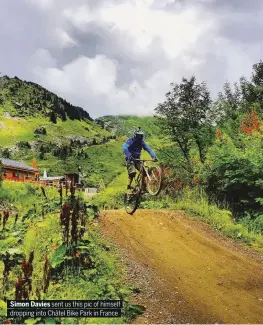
(187, 272)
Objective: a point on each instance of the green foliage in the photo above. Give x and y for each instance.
(102, 162)
(57, 258)
(133, 310)
(254, 224)
(245, 96)
(185, 116)
(23, 196)
(235, 172)
(104, 280)
(3, 308)
(156, 205)
(112, 197)
(231, 163)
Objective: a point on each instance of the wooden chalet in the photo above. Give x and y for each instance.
(61, 180)
(52, 180)
(18, 171)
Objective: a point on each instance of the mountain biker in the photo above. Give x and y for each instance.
(132, 149)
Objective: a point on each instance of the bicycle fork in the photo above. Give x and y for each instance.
(147, 174)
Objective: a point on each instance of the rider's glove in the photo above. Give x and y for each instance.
(155, 159)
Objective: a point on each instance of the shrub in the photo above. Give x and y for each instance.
(234, 173)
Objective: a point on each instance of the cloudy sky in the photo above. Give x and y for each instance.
(120, 56)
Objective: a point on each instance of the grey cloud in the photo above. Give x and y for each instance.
(223, 54)
(235, 5)
(16, 42)
(222, 5)
(99, 39)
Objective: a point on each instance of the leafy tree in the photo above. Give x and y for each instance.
(257, 76)
(63, 116)
(186, 116)
(53, 117)
(241, 98)
(229, 102)
(5, 153)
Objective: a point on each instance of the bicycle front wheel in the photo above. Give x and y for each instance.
(154, 183)
(131, 202)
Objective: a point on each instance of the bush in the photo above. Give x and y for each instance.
(41, 130)
(234, 173)
(258, 224)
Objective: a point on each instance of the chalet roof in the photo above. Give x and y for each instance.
(16, 164)
(51, 178)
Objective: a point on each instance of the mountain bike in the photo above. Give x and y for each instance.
(149, 179)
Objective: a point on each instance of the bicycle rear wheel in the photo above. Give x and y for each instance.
(131, 201)
(154, 184)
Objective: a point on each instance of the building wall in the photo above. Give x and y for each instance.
(54, 182)
(12, 174)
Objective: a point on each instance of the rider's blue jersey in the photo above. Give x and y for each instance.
(133, 148)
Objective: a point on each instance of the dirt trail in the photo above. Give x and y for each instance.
(188, 273)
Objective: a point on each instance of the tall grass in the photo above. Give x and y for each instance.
(23, 196)
(195, 202)
(112, 196)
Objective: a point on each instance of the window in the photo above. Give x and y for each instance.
(26, 175)
(4, 172)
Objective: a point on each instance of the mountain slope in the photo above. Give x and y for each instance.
(125, 125)
(36, 123)
(28, 99)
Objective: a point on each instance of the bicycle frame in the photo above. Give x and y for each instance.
(142, 185)
(143, 168)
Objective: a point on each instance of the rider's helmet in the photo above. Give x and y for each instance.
(138, 134)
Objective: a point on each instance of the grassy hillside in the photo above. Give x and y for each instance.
(36, 123)
(124, 126)
(27, 99)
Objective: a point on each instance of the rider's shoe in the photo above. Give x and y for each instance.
(129, 189)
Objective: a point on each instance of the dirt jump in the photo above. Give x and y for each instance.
(187, 272)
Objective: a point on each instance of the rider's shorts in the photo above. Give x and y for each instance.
(132, 166)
